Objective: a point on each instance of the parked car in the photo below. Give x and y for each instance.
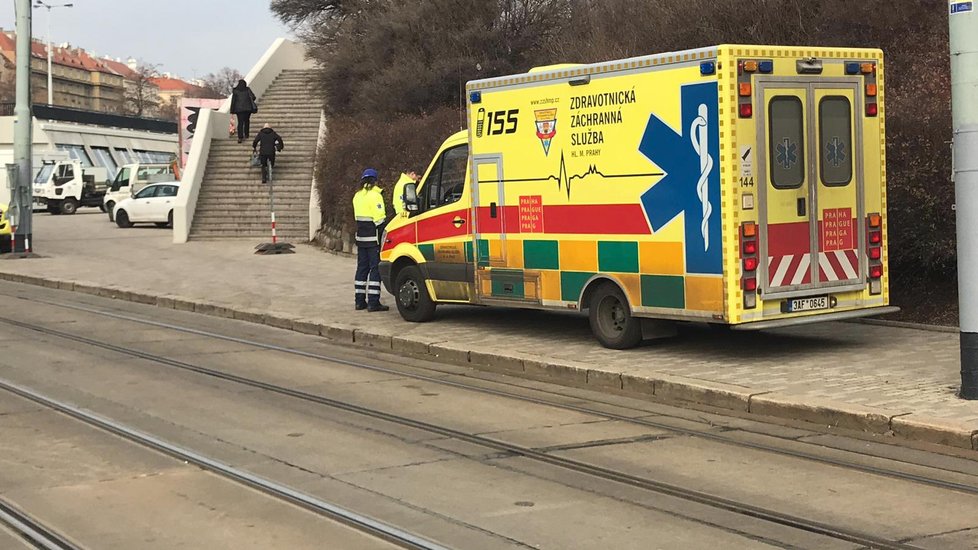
(151, 204)
(131, 179)
(5, 229)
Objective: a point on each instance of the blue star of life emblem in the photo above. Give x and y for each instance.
(836, 152)
(690, 186)
(786, 154)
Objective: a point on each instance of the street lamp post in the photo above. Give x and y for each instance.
(963, 22)
(43, 4)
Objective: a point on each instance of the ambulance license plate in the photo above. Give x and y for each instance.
(808, 304)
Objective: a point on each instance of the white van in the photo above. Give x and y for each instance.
(131, 178)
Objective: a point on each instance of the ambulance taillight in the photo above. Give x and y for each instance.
(749, 263)
(874, 250)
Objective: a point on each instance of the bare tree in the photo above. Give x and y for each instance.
(142, 97)
(170, 111)
(295, 13)
(219, 84)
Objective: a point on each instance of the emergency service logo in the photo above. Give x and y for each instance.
(546, 124)
(691, 185)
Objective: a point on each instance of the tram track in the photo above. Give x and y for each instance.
(718, 437)
(737, 507)
(31, 530)
(48, 540)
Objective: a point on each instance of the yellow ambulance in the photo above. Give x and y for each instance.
(733, 185)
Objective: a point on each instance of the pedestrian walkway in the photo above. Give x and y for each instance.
(880, 379)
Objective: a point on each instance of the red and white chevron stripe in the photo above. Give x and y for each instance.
(838, 265)
(790, 269)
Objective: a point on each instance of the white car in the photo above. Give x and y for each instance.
(151, 204)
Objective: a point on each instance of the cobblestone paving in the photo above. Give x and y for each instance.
(898, 369)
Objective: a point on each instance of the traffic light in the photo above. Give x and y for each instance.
(192, 119)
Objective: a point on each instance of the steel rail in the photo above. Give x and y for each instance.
(352, 519)
(33, 531)
(717, 437)
(714, 501)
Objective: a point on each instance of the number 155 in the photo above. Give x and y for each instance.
(503, 122)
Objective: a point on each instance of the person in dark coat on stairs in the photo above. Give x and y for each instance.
(243, 104)
(266, 144)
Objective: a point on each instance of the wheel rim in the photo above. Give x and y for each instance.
(409, 294)
(612, 316)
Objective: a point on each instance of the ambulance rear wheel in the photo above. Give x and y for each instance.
(411, 293)
(611, 319)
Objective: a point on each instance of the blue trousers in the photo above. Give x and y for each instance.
(367, 281)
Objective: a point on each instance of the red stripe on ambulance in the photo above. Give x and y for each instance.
(838, 265)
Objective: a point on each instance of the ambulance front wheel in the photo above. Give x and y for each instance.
(413, 301)
(611, 319)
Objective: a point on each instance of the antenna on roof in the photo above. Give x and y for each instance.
(461, 100)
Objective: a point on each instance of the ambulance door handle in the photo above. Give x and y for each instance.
(493, 210)
(458, 222)
(802, 210)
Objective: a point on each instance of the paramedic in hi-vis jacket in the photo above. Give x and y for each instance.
(371, 216)
(400, 207)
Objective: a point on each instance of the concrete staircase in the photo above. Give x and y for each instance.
(233, 202)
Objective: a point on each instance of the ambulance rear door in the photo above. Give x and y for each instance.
(811, 188)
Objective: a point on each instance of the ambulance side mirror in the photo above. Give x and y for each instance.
(411, 197)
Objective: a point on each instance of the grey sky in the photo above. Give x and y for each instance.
(185, 37)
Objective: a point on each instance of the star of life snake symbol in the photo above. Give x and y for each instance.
(787, 154)
(836, 152)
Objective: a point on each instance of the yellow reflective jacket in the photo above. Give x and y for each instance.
(399, 205)
(370, 213)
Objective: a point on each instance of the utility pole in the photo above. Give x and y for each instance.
(963, 23)
(21, 196)
(42, 4)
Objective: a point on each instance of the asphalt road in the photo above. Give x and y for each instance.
(120, 361)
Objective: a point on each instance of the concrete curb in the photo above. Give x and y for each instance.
(662, 387)
(905, 324)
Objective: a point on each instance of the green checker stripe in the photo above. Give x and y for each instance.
(541, 255)
(483, 252)
(428, 251)
(663, 291)
(507, 283)
(469, 255)
(571, 284)
(617, 257)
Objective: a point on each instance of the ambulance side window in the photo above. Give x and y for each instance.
(431, 187)
(835, 140)
(786, 147)
(446, 181)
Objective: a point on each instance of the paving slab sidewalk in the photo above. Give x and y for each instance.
(880, 379)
